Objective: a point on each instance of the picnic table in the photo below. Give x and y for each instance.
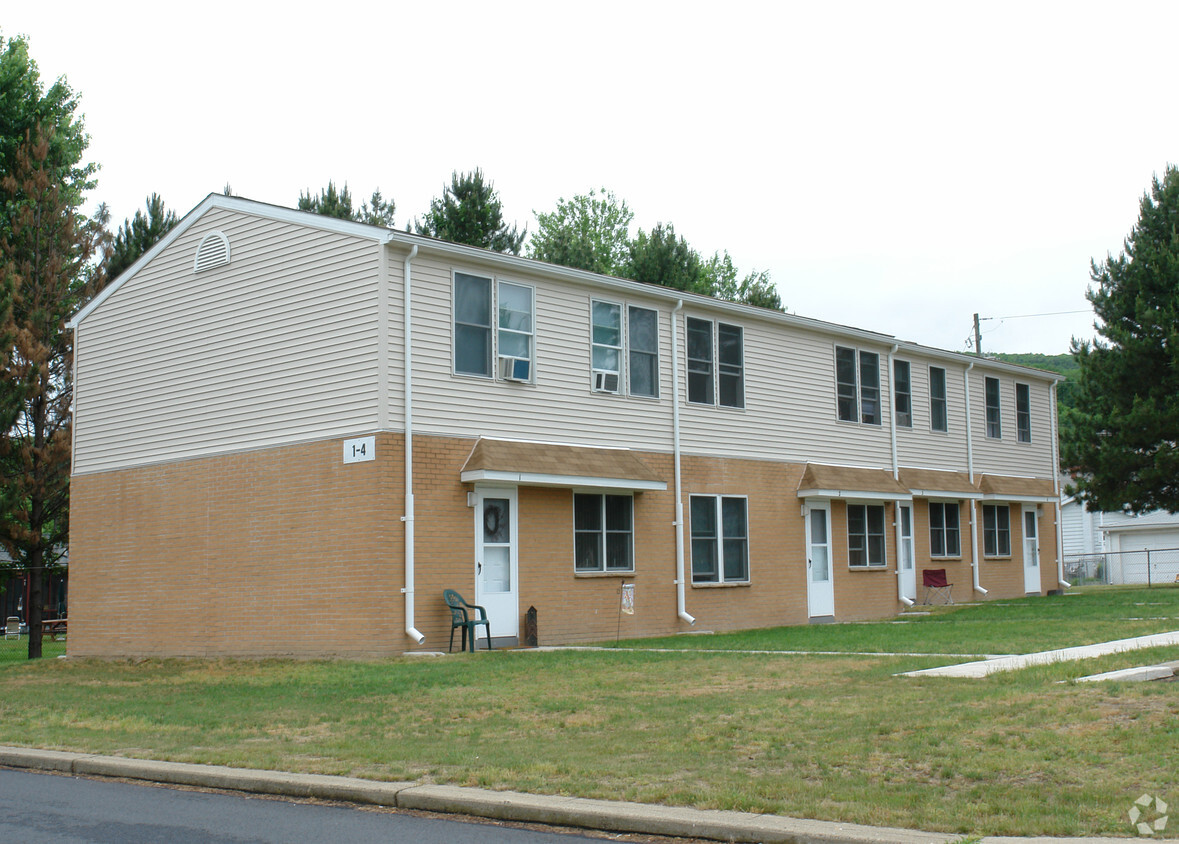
(51, 627)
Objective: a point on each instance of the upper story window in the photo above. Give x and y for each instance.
(716, 366)
(903, 393)
(938, 416)
(603, 532)
(993, 417)
(515, 331)
(720, 539)
(1023, 412)
(606, 352)
(472, 325)
(857, 384)
(996, 530)
(476, 345)
(865, 535)
(943, 529)
(643, 339)
(639, 347)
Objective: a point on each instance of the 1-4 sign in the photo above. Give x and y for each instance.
(360, 449)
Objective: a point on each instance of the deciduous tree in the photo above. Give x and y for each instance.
(469, 211)
(589, 232)
(756, 288)
(1124, 443)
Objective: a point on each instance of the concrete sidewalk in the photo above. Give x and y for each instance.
(984, 667)
(603, 815)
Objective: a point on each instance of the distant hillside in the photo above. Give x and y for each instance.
(1066, 365)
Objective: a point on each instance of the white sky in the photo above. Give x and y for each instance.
(895, 166)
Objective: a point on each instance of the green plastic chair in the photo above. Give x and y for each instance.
(460, 617)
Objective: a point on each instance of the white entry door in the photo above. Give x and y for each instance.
(1031, 551)
(907, 569)
(820, 592)
(496, 564)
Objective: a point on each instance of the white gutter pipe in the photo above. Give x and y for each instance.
(896, 469)
(680, 597)
(1056, 486)
(410, 630)
(970, 471)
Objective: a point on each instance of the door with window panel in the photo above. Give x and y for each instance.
(820, 585)
(496, 563)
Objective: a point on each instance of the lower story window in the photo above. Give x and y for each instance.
(720, 539)
(865, 535)
(603, 532)
(996, 530)
(943, 529)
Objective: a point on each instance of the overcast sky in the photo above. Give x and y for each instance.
(895, 166)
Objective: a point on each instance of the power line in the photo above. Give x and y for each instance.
(1027, 316)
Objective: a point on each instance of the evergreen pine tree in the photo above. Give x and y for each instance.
(469, 211)
(1124, 443)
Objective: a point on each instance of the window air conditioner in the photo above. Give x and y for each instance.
(515, 369)
(605, 381)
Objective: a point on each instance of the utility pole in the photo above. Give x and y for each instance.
(977, 338)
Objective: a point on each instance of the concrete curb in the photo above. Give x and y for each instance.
(604, 815)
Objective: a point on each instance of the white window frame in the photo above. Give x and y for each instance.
(994, 532)
(710, 361)
(619, 350)
(500, 330)
(867, 535)
(717, 370)
(993, 413)
(863, 393)
(904, 417)
(718, 541)
(603, 533)
(490, 327)
(1023, 415)
(494, 328)
(935, 401)
(631, 352)
(945, 530)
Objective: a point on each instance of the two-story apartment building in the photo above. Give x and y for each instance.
(293, 432)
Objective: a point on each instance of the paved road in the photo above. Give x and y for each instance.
(52, 809)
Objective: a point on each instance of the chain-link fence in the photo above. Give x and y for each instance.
(15, 595)
(1151, 567)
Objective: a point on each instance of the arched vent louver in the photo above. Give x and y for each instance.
(213, 252)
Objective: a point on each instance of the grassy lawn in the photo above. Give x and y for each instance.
(837, 737)
(17, 650)
(1092, 614)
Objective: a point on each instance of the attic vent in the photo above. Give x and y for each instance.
(213, 252)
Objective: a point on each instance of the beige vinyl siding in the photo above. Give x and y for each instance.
(789, 411)
(1008, 456)
(276, 347)
(920, 447)
(559, 406)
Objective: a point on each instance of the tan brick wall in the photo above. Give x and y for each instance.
(958, 571)
(288, 551)
(862, 592)
(278, 551)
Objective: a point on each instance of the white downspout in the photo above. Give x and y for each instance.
(680, 597)
(410, 630)
(970, 471)
(896, 469)
(1056, 486)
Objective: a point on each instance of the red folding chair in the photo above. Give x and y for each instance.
(935, 583)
